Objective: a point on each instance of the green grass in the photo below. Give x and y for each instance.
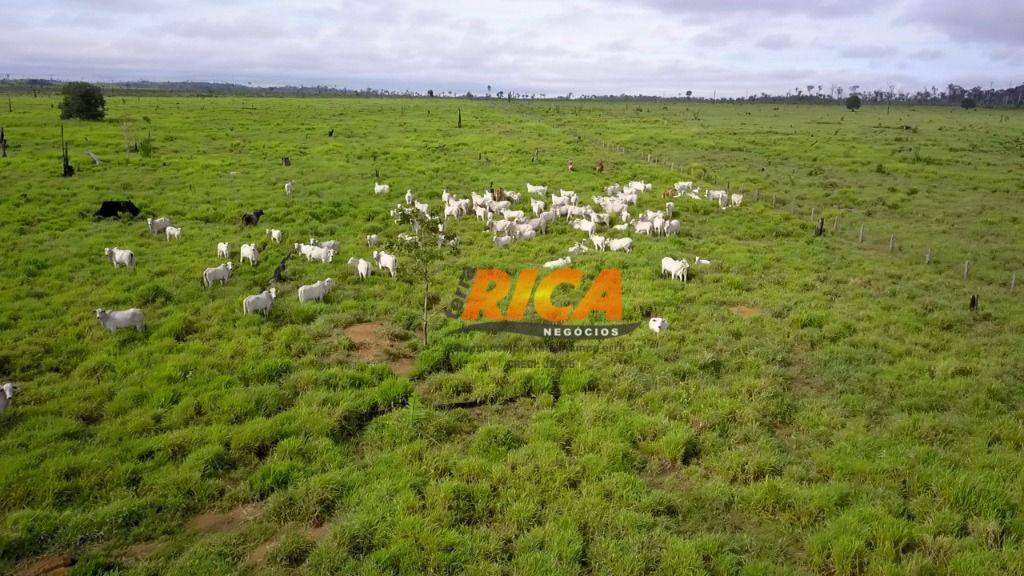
(865, 422)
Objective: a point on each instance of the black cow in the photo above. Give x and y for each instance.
(251, 219)
(114, 209)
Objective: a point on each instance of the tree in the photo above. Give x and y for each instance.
(430, 93)
(82, 100)
(424, 251)
(968, 103)
(689, 93)
(853, 103)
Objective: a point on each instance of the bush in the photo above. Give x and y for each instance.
(853, 103)
(968, 103)
(82, 100)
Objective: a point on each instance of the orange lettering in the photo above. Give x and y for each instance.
(521, 294)
(604, 295)
(490, 286)
(542, 297)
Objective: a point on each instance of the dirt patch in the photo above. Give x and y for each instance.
(210, 522)
(745, 311)
(49, 566)
(259, 553)
(374, 346)
(142, 551)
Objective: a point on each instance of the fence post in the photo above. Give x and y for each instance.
(860, 239)
(773, 200)
(892, 243)
(1013, 283)
(967, 268)
(813, 210)
(928, 256)
(835, 225)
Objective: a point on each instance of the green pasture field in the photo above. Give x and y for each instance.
(818, 405)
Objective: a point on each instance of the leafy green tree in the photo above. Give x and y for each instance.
(82, 100)
(853, 103)
(968, 103)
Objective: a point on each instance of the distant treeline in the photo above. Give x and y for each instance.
(951, 95)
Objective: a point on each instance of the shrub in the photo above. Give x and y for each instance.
(83, 101)
(853, 103)
(968, 103)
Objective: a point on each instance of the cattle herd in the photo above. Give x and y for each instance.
(505, 223)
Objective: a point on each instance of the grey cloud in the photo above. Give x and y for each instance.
(813, 8)
(987, 21)
(775, 42)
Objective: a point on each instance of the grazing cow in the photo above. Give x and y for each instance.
(223, 250)
(643, 227)
(502, 241)
(114, 209)
(315, 291)
(275, 235)
(702, 261)
(250, 253)
(620, 245)
(671, 228)
(329, 244)
(675, 268)
(657, 325)
(736, 199)
(363, 267)
(381, 189)
(372, 240)
(220, 274)
(158, 225)
(252, 218)
(172, 232)
(600, 242)
(386, 261)
(259, 302)
(409, 198)
(288, 187)
(320, 254)
(114, 320)
(542, 190)
(119, 257)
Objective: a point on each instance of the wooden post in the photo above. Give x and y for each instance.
(773, 200)
(892, 243)
(928, 256)
(813, 210)
(835, 224)
(3, 144)
(860, 239)
(819, 230)
(967, 268)
(1013, 283)
(460, 117)
(974, 303)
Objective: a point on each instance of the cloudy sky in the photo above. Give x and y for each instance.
(723, 47)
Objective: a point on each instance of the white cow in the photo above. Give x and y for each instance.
(372, 240)
(578, 248)
(329, 244)
(386, 261)
(409, 197)
(736, 199)
(542, 190)
(380, 189)
(643, 227)
(172, 232)
(671, 228)
(315, 291)
(114, 320)
(657, 325)
(6, 395)
(320, 254)
(600, 242)
(259, 302)
(157, 226)
(620, 244)
(120, 257)
(275, 234)
(585, 226)
(502, 241)
(559, 263)
(363, 267)
(220, 274)
(288, 187)
(702, 261)
(675, 268)
(250, 253)
(223, 250)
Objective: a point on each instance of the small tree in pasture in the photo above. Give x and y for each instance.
(853, 103)
(968, 103)
(424, 253)
(82, 100)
